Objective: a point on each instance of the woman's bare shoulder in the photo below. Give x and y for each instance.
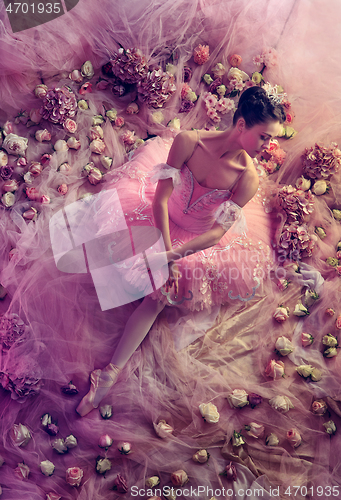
(248, 184)
(182, 148)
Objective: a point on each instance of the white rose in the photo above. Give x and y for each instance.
(303, 184)
(47, 468)
(304, 370)
(300, 310)
(330, 352)
(87, 70)
(284, 346)
(105, 410)
(163, 429)
(73, 143)
(281, 314)
(255, 430)
(237, 74)
(103, 465)
(218, 70)
(316, 375)
(106, 161)
(320, 232)
(97, 120)
(320, 187)
(200, 456)
(281, 403)
(3, 158)
(272, 440)
(61, 145)
(8, 199)
(336, 214)
(152, 481)
(83, 105)
(158, 117)
(111, 114)
(59, 445)
(330, 427)
(15, 145)
(329, 340)
(238, 398)
(209, 412)
(191, 96)
(174, 124)
(20, 434)
(310, 297)
(70, 441)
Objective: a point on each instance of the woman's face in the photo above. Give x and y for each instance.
(253, 140)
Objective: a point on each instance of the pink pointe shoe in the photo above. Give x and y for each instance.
(97, 383)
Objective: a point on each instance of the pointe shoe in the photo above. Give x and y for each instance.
(108, 377)
(86, 405)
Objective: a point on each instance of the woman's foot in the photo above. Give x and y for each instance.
(101, 381)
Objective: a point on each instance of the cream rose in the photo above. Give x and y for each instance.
(303, 184)
(294, 437)
(95, 176)
(218, 70)
(237, 439)
(336, 214)
(208, 79)
(179, 478)
(272, 440)
(320, 187)
(83, 105)
(64, 168)
(310, 297)
(73, 143)
(103, 465)
(238, 398)
(20, 435)
(76, 76)
(87, 69)
(70, 442)
(304, 370)
(330, 427)
(152, 481)
(28, 178)
(306, 339)
(47, 467)
(61, 145)
(316, 375)
(74, 476)
(209, 412)
(284, 346)
(281, 314)
(97, 146)
(3, 158)
(106, 161)
(97, 120)
(281, 403)
(274, 369)
(255, 430)
(42, 135)
(237, 74)
(15, 145)
(158, 117)
(330, 352)
(163, 429)
(111, 114)
(320, 232)
(59, 446)
(132, 108)
(200, 456)
(96, 132)
(300, 310)
(329, 340)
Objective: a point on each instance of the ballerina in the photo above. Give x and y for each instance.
(201, 203)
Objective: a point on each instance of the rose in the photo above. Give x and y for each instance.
(47, 468)
(76, 76)
(201, 54)
(60, 145)
(44, 199)
(41, 90)
(46, 419)
(35, 116)
(95, 176)
(201, 456)
(330, 427)
(238, 398)
(20, 435)
(230, 472)
(83, 105)
(304, 370)
(320, 187)
(52, 429)
(63, 189)
(319, 407)
(73, 143)
(59, 446)
(179, 478)
(331, 261)
(8, 200)
(35, 168)
(281, 403)
(284, 346)
(255, 430)
(74, 476)
(320, 232)
(329, 311)
(15, 145)
(97, 120)
(119, 122)
(256, 77)
(237, 439)
(235, 60)
(316, 375)
(132, 108)
(237, 75)
(254, 399)
(338, 270)
(22, 471)
(86, 88)
(170, 68)
(3, 158)
(336, 214)
(87, 70)
(329, 340)
(300, 310)
(102, 85)
(124, 448)
(330, 353)
(281, 314)
(310, 297)
(105, 441)
(303, 184)
(111, 114)
(70, 125)
(106, 411)
(10, 185)
(218, 70)
(96, 132)
(174, 124)
(306, 339)
(272, 440)
(69, 389)
(152, 481)
(64, 168)
(52, 496)
(106, 161)
(338, 323)
(120, 484)
(163, 429)
(97, 146)
(45, 159)
(209, 412)
(294, 438)
(274, 369)
(157, 117)
(70, 441)
(208, 79)
(42, 135)
(103, 465)
(221, 90)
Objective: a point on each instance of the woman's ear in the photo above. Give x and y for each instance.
(240, 124)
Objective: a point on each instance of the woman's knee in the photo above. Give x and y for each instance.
(155, 306)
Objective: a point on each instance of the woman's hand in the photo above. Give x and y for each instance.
(173, 280)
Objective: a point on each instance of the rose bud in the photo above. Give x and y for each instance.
(163, 429)
(255, 430)
(70, 441)
(35, 117)
(73, 143)
(319, 407)
(320, 232)
(281, 403)
(44, 199)
(303, 184)
(63, 189)
(59, 446)
(284, 346)
(254, 399)
(8, 200)
(237, 439)
(119, 122)
(20, 435)
(174, 124)
(96, 132)
(97, 146)
(52, 496)
(61, 145)
(330, 427)
(22, 471)
(275, 369)
(106, 411)
(74, 476)
(45, 159)
(40, 91)
(300, 310)
(3, 158)
(209, 412)
(87, 70)
(42, 135)
(152, 481)
(238, 398)
(230, 472)
(201, 456)
(294, 438)
(124, 448)
(70, 126)
(95, 176)
(310, 297)
(69, 389)
(316, 375)
(338, 323)
(281, 314)
(103, 465)
(306, 339)
(330, 352)
(111, 114)
(83, 105)
(106, 161)
(52, 429)
(35, 168)
(64, 168)
(304, 370)
(336, 214)
(105, 441)
(179, 478)
(10, 185)
(320, 187)
(332, 261)
(283, 284)
(120, 484)
(330, 311)
(85, 88)
(97, 120)
(32, 194)
(272, 440)
(47, 468)
(132, 108)
(76, 76)
(329, 340)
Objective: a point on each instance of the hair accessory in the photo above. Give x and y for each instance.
(273, 94)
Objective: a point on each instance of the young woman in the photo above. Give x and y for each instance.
(209, 176)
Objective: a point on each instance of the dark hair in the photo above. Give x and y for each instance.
(255, 107)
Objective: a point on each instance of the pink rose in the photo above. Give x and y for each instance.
(63, 189)
(235, 60)
(44, 199)
(105, 441)
(96, 132)
(35, 168)
(330, 311)
(120, 484)
(40, 91)
(128, 137)
(85, 88)
(15, 145)
(10, 185)
(70, 125)
(230, 472)
(119, 122)
(42, 135)
(45, 159)
(8, 128)
(132, 108)
(97, 146)
(201, 54)
(179, 478)
(255, 430)
(74, 476)
(306, 339)
(32, 193)
(22, 162)
(319, 407)
(22, 471)
(73, 143)
(30, 214)
(281, 314)
(76, 76)
(95, 176)
(274, 369)
(124, 448)
(294, 438)
(35, 115)
(338, 323)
